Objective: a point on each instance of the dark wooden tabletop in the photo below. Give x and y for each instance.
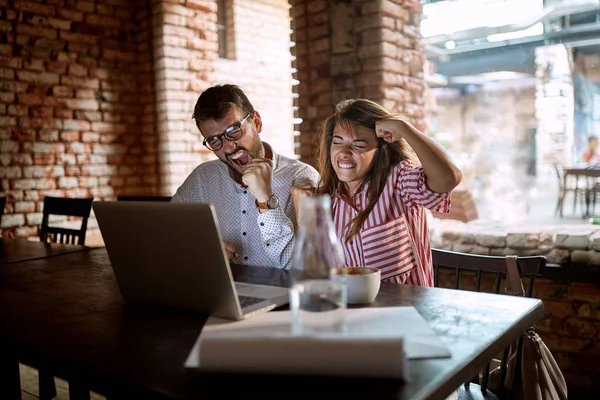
(67, 311)
(16, 250)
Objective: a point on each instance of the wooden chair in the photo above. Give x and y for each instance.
(487, 272)
(143, 198)
(69, 207)
(572, 186)
(73, 207)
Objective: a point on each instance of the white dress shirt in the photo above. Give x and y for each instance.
(260, 239)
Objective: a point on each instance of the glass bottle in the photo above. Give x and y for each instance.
(318, 290)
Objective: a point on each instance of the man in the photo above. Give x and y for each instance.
(249, 185)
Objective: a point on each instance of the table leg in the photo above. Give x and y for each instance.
(587, 203)
(562, 196)
(78, 390)
(47, 387)
(10, 378)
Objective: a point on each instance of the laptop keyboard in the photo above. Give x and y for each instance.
(246, 301)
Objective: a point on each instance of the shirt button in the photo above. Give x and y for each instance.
(262, 224)
(245, 192)
(246, 258)
(243, 211)
(268, 244)
(244, 233)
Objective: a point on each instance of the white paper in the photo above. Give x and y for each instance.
(377, 343)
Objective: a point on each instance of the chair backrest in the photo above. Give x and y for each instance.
(72, 207)
(2, 205)
(479, 267)
(483, 267)
(143, 198)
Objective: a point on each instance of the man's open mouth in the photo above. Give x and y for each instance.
(241, 158)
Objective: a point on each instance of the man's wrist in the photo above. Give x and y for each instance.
(262, 199)
(271, 203)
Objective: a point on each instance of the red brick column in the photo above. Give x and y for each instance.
(185, 48)
(346, 51)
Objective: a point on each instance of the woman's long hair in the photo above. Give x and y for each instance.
(365, 113)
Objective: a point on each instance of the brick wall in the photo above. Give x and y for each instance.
(185, 48)
(311, 25)
(571, 329)
(347, 51)
(96, 97)
(260, 64)
(75, 90)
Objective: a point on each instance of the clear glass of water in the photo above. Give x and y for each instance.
(318, 306)
(317, 292)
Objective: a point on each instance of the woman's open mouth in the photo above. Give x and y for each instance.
(346, 165)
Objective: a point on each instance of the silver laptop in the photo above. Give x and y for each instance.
(172, 254)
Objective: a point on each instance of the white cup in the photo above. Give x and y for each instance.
(362, 284)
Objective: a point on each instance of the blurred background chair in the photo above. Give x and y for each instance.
(571, 185)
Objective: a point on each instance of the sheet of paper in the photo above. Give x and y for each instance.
(378, 340)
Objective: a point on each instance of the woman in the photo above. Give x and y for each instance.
(591, 154)
(379, 194)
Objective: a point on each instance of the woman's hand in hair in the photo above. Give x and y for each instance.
(441, 173)
(391, 129)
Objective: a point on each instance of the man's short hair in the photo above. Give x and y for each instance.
(215, 102)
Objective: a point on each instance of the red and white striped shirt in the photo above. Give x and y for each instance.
(394, 238)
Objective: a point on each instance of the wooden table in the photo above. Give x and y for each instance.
(16, 250)
(588, 171)
(67, 311)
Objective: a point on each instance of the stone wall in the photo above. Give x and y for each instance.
(561, 244)
(346, 51)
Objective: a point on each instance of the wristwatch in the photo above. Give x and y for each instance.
(270, 204)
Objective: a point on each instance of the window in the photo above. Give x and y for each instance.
(225, 29)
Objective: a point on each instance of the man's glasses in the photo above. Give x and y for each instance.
(233, 133)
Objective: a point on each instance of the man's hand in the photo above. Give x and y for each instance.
(258, 178)
(391, 130)
(298, 191)
(230, 250)
(442, 174)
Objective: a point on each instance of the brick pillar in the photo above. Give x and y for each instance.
(347, 51)
(185, 48)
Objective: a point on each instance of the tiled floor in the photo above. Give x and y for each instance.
(29, 386)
